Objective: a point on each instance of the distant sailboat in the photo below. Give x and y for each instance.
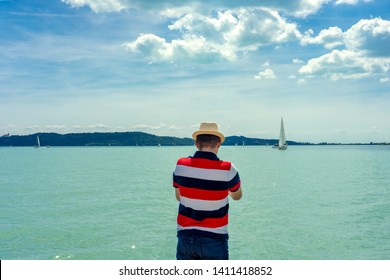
(38, 145)
(282, 145)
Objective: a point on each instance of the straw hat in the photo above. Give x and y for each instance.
(208, 128)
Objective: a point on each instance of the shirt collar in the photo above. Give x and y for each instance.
(206, 155)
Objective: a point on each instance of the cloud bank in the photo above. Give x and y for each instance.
(216, 30)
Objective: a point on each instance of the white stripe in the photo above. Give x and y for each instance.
(205, 174)
(204, 205)
(233, 172)
(220, 230)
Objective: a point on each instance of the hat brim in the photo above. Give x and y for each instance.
(202, 132)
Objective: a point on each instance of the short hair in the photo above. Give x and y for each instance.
(207, 141)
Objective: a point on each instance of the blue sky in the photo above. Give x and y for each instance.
(164, 66)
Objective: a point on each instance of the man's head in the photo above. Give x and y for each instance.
(208, 137)
(207, 141)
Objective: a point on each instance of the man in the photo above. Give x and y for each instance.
(203, 184)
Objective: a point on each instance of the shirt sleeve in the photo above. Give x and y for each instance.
(235, 181)
(175, 179)
(175, 184)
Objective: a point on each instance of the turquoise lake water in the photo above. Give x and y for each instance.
(308, 202)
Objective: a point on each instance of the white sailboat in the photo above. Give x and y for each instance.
(38, 145)
(282, 145)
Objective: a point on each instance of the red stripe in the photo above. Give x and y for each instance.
(176, 185)
(208, 223)
(202, 194)
(236, 187)
(204, 163)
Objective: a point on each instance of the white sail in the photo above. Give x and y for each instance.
(282, 135)
(282, 145)
(38, 143)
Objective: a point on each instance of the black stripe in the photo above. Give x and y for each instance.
(234, 181)
(199, 215)
(201, 183)
(206, 155)
(192, 232)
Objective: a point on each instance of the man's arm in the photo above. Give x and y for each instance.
(237, 194)
(177, 193)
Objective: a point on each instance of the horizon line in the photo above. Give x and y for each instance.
(257, 138)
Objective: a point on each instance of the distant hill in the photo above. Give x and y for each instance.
(95, 139)
(121, 139)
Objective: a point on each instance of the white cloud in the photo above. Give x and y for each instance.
(97, 126)
(348, 2)
(55, 127)
(297, 61)
(224, 36)
(148, 127)
(330, 38)
(344, 65)
(176, 8)
(174, 127)
(371, 36)
(307, 7)
(385, 80)
(266, 64)
(99, 5)
(189, 47)
(260, 27)
(366, 51)
(368, 35)
(151, 46)
(268, 74)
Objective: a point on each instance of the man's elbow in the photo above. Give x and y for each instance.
(236, 195)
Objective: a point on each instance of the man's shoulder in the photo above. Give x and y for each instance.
(205, 163)
(226, 165)
(184, 160)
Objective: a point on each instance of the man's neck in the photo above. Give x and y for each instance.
(208, 149)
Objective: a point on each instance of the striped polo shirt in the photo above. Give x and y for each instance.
(204, 182)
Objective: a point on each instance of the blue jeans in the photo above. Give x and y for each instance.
(201, 248)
